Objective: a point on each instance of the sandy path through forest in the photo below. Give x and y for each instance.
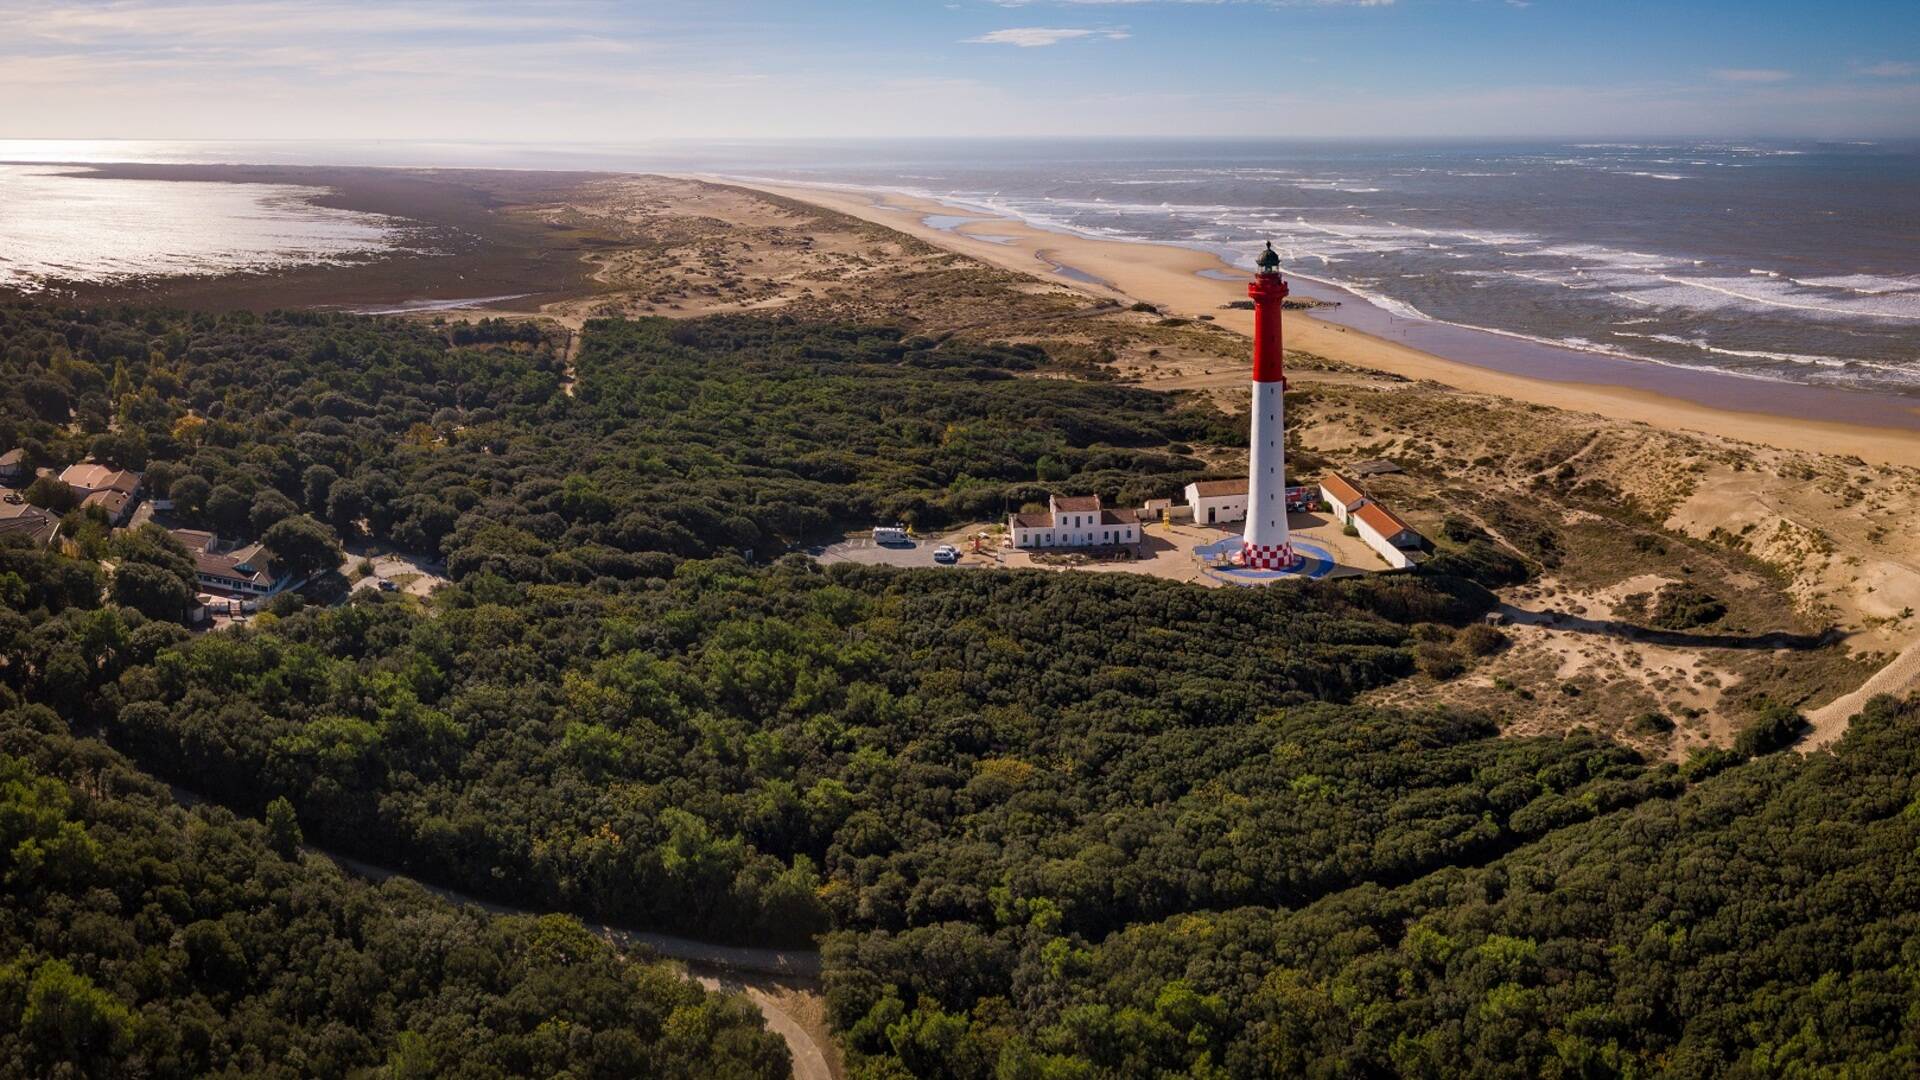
(763, 976)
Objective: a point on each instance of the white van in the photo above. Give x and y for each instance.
(891, 534)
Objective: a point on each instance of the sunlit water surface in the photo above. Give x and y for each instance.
(60, 224)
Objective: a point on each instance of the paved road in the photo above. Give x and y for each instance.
(862, 549)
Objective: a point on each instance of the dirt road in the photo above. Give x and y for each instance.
(775, 980)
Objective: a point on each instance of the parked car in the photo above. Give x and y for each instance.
(387, 586)
(946, 553)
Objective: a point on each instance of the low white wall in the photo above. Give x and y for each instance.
(1394, 556)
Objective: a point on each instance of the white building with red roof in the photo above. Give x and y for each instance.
(1074, 521)
(1393, 539)
(1342, 495)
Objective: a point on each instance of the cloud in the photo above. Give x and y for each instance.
(1033, 37)
(1891, 69)
(119, 20)
(1752, 75)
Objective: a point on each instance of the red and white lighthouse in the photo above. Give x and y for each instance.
(1264, 546)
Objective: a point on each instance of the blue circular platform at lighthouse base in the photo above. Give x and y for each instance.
(1315, 563)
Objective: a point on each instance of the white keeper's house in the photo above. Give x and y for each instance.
(1342, 495)
(1075, 521)
(1393, 539)
(1218, 501)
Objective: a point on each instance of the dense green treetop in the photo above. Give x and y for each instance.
(684, 439)
(141, 939)
(1047, 825)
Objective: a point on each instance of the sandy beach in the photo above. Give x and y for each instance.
(1191, 284)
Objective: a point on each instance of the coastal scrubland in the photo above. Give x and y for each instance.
(1041, 823)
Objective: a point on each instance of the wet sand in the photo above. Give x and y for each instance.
(1183, 282)
(464, 241)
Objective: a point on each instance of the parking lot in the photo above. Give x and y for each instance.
(409, 574)
(862, 549)
(1168, 551)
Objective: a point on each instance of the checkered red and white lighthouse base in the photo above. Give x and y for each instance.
(1268, 556)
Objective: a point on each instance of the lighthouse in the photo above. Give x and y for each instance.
(1264, 546)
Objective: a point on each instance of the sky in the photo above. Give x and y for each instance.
(621, 72)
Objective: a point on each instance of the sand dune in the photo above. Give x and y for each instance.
(1171, 279)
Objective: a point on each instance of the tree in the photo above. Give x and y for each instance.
(227, 511)
(347, 503)
(122, 450)
(48, 399)
(51, 493)
(152, 591)
(303, 546)
(315, 485)
(190, 494)
(155, 575)
(1774, 729)
(283, 828)
(71, 1020)
(154, 546)
(269, 509)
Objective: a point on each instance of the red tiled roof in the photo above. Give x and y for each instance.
(1382, 520)
(1076, 503)
(1341, 489)
(1119, 517)
(1208, 489)
(1033, 521)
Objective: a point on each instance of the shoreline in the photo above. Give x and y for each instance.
(464, 241)
(1188, 283)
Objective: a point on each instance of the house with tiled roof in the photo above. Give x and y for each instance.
(13, 467)
(248, 571)
(1393, 539)
(20, 518)
(1074, 521)
(114, 491)
(88, 477)
(117, 505)
(1342, 495)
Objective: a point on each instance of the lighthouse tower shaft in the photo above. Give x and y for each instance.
(1265, 546)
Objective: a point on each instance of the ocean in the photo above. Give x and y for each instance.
(1795, 262)
(1773, 260)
